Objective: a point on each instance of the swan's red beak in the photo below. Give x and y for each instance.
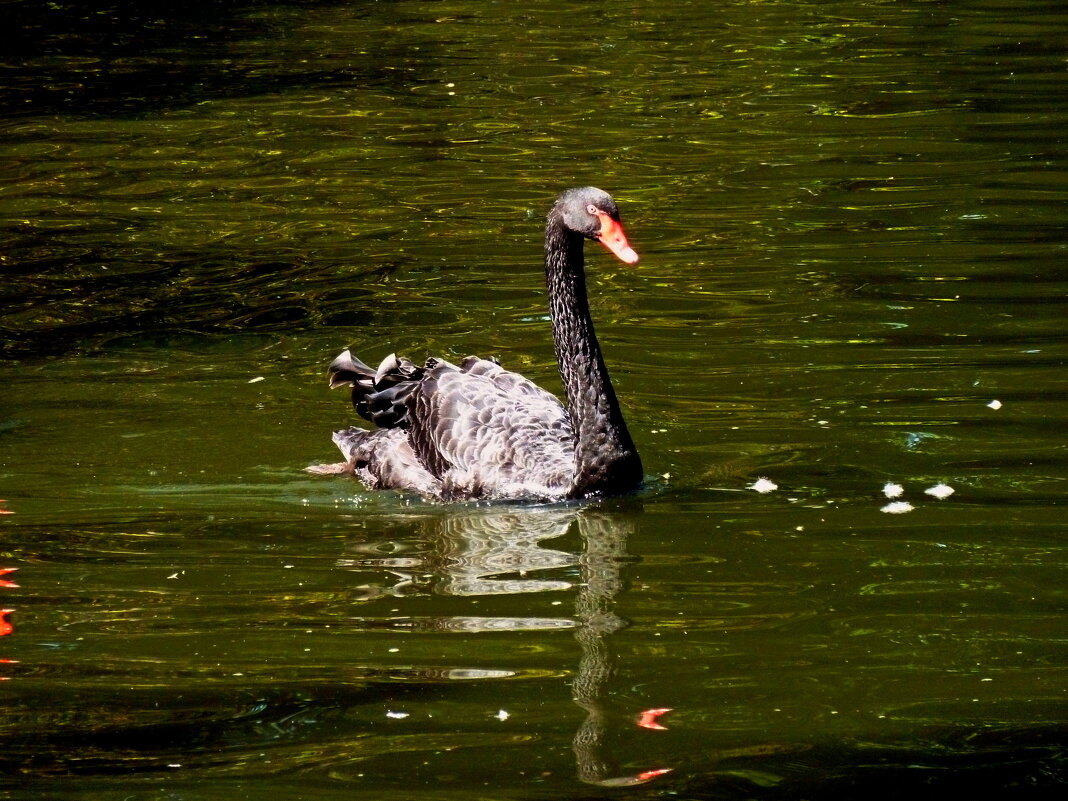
(613, 238)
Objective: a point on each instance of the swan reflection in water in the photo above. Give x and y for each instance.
(497, 551)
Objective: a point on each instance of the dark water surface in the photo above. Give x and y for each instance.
(852, 219)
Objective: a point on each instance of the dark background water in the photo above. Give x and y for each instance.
(852, 221)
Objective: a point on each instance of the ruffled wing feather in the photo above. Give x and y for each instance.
(488, 432)
(473, 431)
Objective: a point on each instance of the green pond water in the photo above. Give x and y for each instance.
(852, 220)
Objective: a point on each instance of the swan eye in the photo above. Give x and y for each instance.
(592, 209)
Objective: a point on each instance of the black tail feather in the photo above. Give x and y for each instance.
(380, 396)
(347, 370)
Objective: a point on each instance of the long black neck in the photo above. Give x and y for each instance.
(606, 459)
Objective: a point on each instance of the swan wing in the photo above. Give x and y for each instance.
(486, 432)
(470, 431)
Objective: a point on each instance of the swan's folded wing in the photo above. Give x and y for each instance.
(487, 432)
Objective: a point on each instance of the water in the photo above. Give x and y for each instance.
(851, 218)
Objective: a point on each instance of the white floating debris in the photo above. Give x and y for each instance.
(396, 715)
(995, 405)
(940, 491)
(502, 715)
(892, 490)
(257, 379)
(897, 508)
(764, 485)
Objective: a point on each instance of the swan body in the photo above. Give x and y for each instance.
(478, 431)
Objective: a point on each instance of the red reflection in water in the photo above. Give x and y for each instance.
(652, 774)
(647, 719)
(5, 624)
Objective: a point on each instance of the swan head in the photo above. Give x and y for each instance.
(591, 212)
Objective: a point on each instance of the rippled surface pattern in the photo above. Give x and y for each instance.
(842, 357)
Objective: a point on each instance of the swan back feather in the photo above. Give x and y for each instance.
(474, 431)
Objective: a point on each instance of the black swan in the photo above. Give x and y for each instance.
(478, 431)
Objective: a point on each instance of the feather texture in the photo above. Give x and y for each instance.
(473, 431)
